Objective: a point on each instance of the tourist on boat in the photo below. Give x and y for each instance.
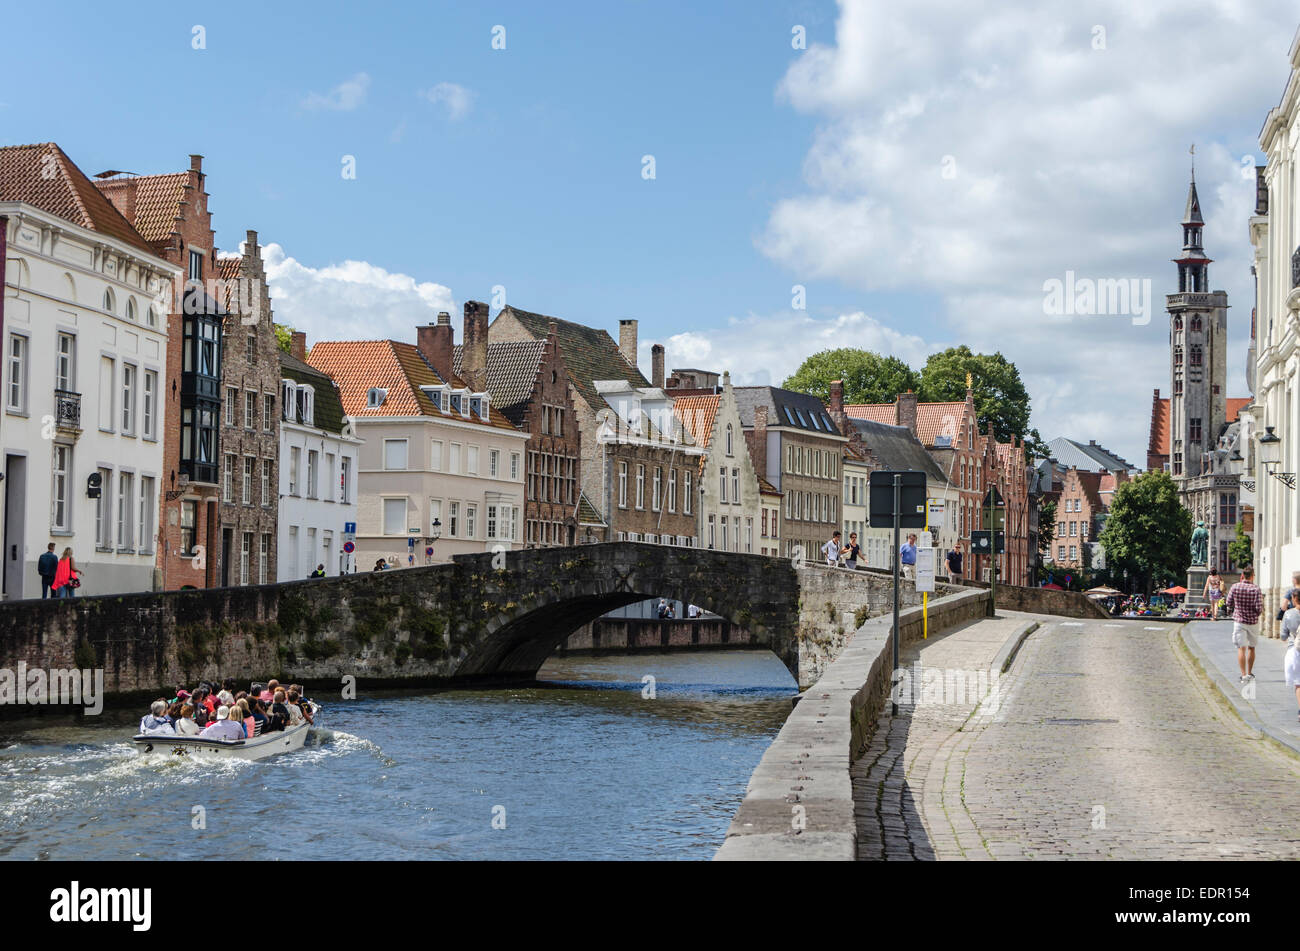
(279, 711)
(155, 721)
(257, 708)
(185, 724)
(224, 728)
(241, 712)
(302, 701)
(268, 695)
(173, 712)
(66, 579)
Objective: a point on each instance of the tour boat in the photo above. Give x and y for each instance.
(253, 748)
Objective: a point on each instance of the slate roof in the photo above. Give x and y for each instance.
(589, 354)
(1088, 457)
(511, 373)
(157, 202)
(358, 365)
(894, 447)
(327, 411)
(43, 176)
(767, 488)
(785, 408)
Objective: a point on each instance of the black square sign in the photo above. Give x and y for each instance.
(880, 509)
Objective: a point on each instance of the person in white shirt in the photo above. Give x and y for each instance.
(185, 724)
(224, 728)
(832, 550)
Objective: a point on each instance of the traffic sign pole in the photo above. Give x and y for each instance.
(925, 595)
(993, 556)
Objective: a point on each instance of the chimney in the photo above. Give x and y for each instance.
(434, 342)
(250, 245)
(656, 364)
(837, 399)
(474, 341)
(758, 441)
(627, 339)
(196, 163)
(298, 345)
(905, 411)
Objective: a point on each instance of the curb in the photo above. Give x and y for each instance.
(1232, 695)
(1007, 653)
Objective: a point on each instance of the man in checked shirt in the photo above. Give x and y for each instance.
(1245, 602)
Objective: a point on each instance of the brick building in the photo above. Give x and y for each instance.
(171, 213)
(1079, 518)
(250, 424)
(529, 383)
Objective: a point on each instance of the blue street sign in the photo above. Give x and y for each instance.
(410, 543)
(349, 528)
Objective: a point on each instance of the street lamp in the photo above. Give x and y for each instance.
(1270, 454)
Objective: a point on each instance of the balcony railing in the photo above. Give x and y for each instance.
(67, 410)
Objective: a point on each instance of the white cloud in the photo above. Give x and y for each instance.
(344, 97)
(765, 349)
(1064, 157)
(457, 100)
(353, 300)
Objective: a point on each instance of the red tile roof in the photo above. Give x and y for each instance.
(42, 175)
(157, 202)
(697, 414)
(876, 412)
(932, 419)
(1236, 404)
(359, 365)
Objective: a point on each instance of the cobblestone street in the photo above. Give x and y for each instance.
(1107, 743)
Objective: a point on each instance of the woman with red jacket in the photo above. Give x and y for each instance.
(65, 576)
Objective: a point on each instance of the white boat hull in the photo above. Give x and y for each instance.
(259, 747)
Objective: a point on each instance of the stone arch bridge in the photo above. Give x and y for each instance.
(482, 618)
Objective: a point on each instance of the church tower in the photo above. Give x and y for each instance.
(1198, 341)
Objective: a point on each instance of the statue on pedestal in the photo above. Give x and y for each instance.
(1200, 544)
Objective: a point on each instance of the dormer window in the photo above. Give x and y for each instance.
(307, 404)
(478, 405)
(287, 407)
(485, 403)
(454, 400)
(375, 396)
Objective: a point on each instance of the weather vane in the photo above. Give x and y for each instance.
(968, 381)
(1192, 151)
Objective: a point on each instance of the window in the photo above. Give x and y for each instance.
(471, 460)
(453, 458)
(672, 490)
(263, 553)
(394, 453)
(268, 412)
(266, 482)
(147, 508)
(687, 495)
(514, 467)
(640, 486)
(435, 514)
(345, 475)
(1060, 527)
(491, 521)
(189, 519)
(622, 485)
(125, 503)
(735, 486)
(655, 494)
(729, 449)
(65, 376)
(722, 484)
(151, 316)
(103, 510)
(150, 405)
(453, 518)
(250, 410)
(712, 531)
(1073, 529)
(306, 402)
(196, 265)
(1227, 508)
(494, 463)
(232, 403)
(471, 511)
(107, 374)
(1074, 553)
(1196, 354)
(128, 398)
(375, 396)
(246, 490)
(110, 302)
(1194, 429)
(250, 346)
(16, 391)
(294, 455)
(312, 455)
(394, 516)
(130, 310)
(435, 456)
(329, 476)
(60, 501)
(245, 555)
(227, 478)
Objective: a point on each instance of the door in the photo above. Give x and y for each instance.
(15, 515)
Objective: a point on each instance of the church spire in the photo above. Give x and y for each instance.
(1193, 265)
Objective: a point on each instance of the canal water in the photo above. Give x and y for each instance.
(598, 762)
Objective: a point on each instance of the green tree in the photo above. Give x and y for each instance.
(1001, 399)
(1046, 524)
(283, 337)
(868, 377)
(1148, 531)
(1240, 551)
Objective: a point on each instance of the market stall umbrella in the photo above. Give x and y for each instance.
(1102, 590)
(1053, 587)
(1176, 589)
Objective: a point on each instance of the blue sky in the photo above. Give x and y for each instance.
(774, 166)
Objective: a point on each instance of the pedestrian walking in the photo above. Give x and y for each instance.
(851, 552)
(1291, 663)
(954, 565)
(1245, 602)
(66, 579)
(832, 550)
(1213, 592)
(907, 556)
(47, 566)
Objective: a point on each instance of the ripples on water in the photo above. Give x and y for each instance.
(583, 764)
